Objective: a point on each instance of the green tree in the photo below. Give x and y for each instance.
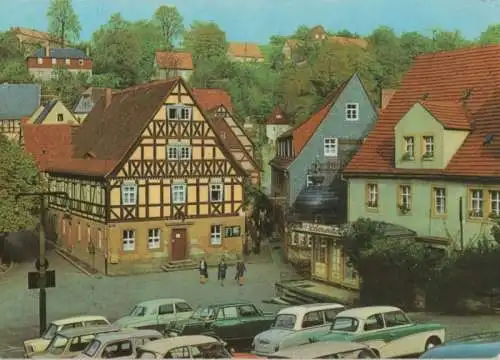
(150, 40)
(491, 35)
(448, 40)
(205, 40)
(414, 44)
(170, 22)
(67, 86)
(12, 62)
(18, 174)
(63, 21)
(117, 52)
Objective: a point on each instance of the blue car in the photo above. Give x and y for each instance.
(480, 346)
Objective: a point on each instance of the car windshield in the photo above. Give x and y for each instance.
(58, 344)
(92, 348)
(284, 321)
(50, 332)
(204, 313)
(345, 324)
(214, 350)
(138, 311)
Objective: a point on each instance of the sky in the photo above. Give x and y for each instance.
(257, 20)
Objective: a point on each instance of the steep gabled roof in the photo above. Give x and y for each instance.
(61, 53)
(443, 77)
(212, 98)
(277, 117)
(451, 114)
(245, 50)
(174, 60)
(19, 100)
(45, 111)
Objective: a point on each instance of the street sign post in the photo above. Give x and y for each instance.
(34, 279)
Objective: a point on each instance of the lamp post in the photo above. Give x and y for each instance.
(42, 260)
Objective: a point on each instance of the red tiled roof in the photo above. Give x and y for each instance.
(89, 167)
(443, 76)
(245, 50)
(48, 142)
(277, 117)
(174, 60)
(209, 99)
(451, 114)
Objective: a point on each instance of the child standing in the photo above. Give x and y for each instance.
(221, 271)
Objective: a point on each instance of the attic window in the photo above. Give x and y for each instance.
(488, 139)
(60, 118)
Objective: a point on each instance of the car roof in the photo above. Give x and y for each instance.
(367, 311)
(227, 304)
(319, 349)
(464, 350)
(125, 334)
(160, 301)
(166, 344)
(73, 319)
(88, 330)
(302, 308)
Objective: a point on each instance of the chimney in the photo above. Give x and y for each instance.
(107, 97)
(385, 97)
(47, 51)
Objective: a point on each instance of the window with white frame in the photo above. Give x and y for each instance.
(172, 152)
(428, 146)
(68, 61)
(178, 152)
(309, 181)
(372, 196)
(405, 197)
(494, 203)
(184, 153)
(39, 61)
(153, 238)
(128, 240)
(216, 192)
(331, 146)
(352, 111)
(216, 234)
(178, 193)
(178, 112)
(54, 61)
(129, 194)
(476, 203)
(409, 147)
(439, 201)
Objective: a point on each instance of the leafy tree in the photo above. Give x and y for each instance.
(448, 40)
(18, 174)
(205, 40)
(491, 35)
(68, 86)
(150, 40)
(63, 21)
(347, 33)
(169, 20)
(414, 44)
(12, 63)
(117, 51)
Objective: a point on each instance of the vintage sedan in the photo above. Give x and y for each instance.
(385, 329)
(326, 350)
(121, 344)
(295, 323)
(235, 323)
(184, 347)
(40, 344)
(156, 314)
(69, 343)
(476, 346)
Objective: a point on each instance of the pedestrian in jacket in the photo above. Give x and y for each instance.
(240, 271)
(221, 271)
(203, 270)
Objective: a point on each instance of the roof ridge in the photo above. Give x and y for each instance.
(471, 48)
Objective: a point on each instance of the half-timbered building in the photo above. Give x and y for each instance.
(150, 180)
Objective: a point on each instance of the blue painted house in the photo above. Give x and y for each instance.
(306, 181)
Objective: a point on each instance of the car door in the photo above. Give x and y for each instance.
(401, 341)
(227, 324)
(252, 322)
(182, 311)
(166, 314)
(373, 333)
(313, 323)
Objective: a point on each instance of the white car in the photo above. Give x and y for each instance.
(184, 347)
(385, 329)
(37, 345)
(294, 325)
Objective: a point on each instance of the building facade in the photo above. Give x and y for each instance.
(53, 112)
(276, 124)
(149, 181)
(244, 52)
(44, 62)
(173, 63)
(431, 164)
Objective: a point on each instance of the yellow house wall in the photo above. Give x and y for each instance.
(51, 117)
(452, 140)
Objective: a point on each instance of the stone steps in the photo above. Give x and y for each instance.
(179, 265)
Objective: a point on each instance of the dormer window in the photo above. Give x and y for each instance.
(428, 147)
(352, 111)
(60, 118)
(409, 142)
(178, 112)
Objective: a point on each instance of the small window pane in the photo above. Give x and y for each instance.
(166, 309)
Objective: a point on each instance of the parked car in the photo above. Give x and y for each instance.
(156, 314)
(235, 323)
(40, 344)
(477, 346)
(119, 344)
(292, 324)
(326, 350)
(184, 347)
(69, 343)
(385, 329)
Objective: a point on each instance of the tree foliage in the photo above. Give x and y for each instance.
(170, 22)
(205, 41)
(491, 35)
(67, 86)
(63, 21)
(12, 65)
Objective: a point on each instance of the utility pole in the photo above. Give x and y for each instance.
(42, 263)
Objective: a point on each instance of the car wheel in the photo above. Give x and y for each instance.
(432, 342)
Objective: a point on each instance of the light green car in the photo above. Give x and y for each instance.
(387, 330)
(158, 314)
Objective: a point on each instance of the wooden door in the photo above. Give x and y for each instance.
(179, 244)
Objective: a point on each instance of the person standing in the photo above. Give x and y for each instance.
(221, 271)
(203, 271)
(240, 271)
